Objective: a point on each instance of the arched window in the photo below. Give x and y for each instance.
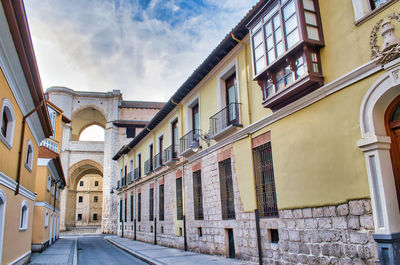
(23, 222)
(29, 155)
(7, 123)
(46, 219)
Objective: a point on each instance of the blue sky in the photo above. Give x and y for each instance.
(145, 48)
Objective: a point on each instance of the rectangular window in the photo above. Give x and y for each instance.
(226, 188)
(95, 217)
(161, 203)
(179, 201)
(95, 199)
(197, 196)
(80, 199)
(174, 133)
(96, 183)
(53, 119)
(139, 208)
(81, 183)
(79, 217)
(151, 156)
(160, 148)
(139, 164)
(130, 132)
(151, 204)
(120, 211)
(126, 212)
(131, 208)
(265, 181)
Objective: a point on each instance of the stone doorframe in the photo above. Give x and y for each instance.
(376, 147)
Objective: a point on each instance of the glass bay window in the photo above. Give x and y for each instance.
(286, 37)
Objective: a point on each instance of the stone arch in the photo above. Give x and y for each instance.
(376, 147)
(84, 117)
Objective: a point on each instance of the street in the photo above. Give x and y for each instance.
(96, 250)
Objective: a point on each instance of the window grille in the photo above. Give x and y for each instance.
(120, 211)
(151, 204)
(179, 202)
(265, 182)
(125, 212)
(139, 208)
(131, 208)
(197, 196)
(161, 203)
(226, 188)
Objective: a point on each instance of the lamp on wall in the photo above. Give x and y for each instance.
(195, 146)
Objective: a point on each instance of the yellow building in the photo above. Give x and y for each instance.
(24, 123)
(282, 145)
(50, 181)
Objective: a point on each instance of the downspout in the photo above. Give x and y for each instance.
(21, 145)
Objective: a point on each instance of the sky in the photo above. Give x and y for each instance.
(145, 48)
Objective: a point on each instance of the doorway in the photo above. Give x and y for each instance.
(231, 243)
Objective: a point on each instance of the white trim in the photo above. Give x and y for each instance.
(221, 77)
(46, 205)
(46, 219)
(17, 260)
(23, 216)
(8, 140)
(3, 213)
(189, 106)
(43, 161)
(11, 184)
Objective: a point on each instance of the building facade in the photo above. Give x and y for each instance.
(24, 124)
(281, 146)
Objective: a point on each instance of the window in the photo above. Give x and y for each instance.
(80, 199)
(230, 94)
(53, 119)
(120, 211)
(23, 222)
(95, 199)
(139, 164)
(264, 181)
(46, 219)
(364, 7)
(179, 199)
(96, 183)
(53, 190)
(226, 189)
(81, 183)
(126, 212)
(151, 204)
(79, 217)
(160, 149)
(174, 135)
(161, 202)
(131, 209)
(151, 156)
(197, 196)
(48, 183)
(7, 123)
(130, 132)
(139, 208)
(29, 156)
(95, 217)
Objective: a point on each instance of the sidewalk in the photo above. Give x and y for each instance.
(63, 251)
(158, 255)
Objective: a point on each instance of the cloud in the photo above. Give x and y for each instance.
(145, 48)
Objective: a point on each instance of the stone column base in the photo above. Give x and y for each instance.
(389, 248)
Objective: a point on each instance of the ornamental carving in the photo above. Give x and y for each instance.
(391, 44)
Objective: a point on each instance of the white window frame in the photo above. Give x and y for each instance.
(8, 139)
(29, 159)
(53, 120)
(46, 219)
(48, 183)
(189, 106)
(362, 9)
(23, 217)
(221, 86)
(53, 189)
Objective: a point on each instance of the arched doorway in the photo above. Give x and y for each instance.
(392, 124)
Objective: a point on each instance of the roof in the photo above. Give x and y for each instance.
(130, 123)
(45, 152)
(19, 29)
(142, 104)
(223, 48)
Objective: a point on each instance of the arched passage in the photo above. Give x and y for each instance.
(85, 117)
(85, 181)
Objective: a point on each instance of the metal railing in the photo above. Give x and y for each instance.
(123, 182)
(148, 166)
(190, 140)
(50, 144)
(136, 174)
(170, 154)
(228, 116)
(130, 177)
(157, 161)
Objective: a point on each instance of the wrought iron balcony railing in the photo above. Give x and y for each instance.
(136, 173)
(226, 118)
(157, 161)
(148, 167)
(130, 177)
(170, 154)
(50, 144)
(190, 141)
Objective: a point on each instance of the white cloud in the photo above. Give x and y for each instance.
(96, 45)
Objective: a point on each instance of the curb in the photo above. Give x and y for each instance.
(133, 253)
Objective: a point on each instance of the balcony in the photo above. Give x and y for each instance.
(130, 177)
(136, 174)
(189, 142)
(225, 121)
(51, 144)
(148, 166)
(170, 155)
(157, 161)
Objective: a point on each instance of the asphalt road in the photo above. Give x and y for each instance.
(95, 250)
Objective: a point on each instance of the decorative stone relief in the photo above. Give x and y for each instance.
(391, 44)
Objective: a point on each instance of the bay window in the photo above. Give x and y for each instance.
(286, 37)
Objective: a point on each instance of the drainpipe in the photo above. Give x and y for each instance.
(21, 145)
(184, 209)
